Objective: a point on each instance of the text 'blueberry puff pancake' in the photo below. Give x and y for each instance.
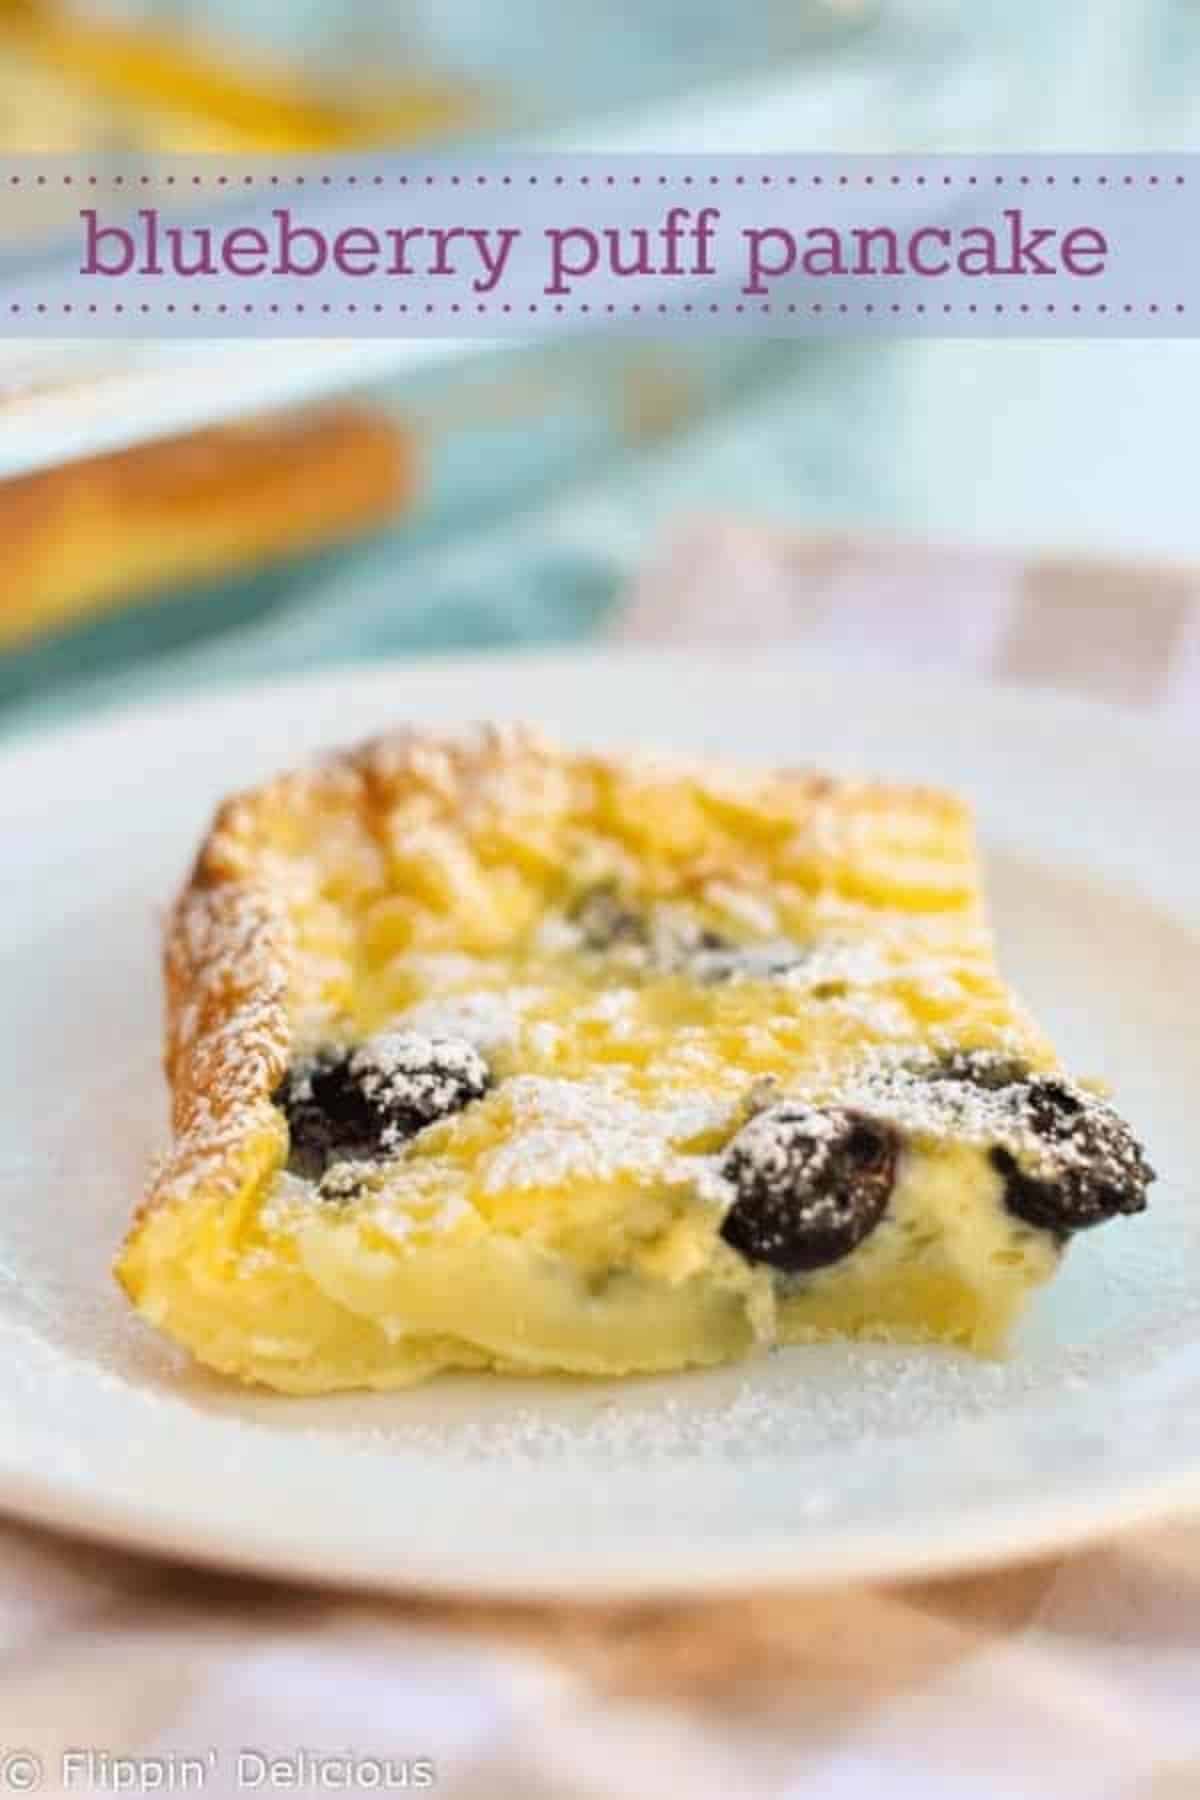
(485, 1054)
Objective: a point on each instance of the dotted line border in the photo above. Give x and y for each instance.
(610, 180)
(816, 308)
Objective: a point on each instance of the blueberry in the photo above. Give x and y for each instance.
(719, 962)
(604, 920)
(365, 1101)
(322, 1111)
(342, 1183)
(1055, 1109)
(987, 1069)
(708, 941)
(1087, 1167)
(810, 1184)
(666, 940)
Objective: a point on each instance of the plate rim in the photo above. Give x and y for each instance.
(1010, 1538)
(25, 735)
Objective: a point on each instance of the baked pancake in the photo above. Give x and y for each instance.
(85, 538)
(485, 1054)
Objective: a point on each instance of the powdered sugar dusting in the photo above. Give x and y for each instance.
(792, 1407)
(226, 970)
(488, 1018)
(590, 1130)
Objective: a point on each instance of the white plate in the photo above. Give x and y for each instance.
(812, 1464)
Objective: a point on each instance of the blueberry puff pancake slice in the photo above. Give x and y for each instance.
(488, 1055)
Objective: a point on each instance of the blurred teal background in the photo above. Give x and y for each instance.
(549, 473)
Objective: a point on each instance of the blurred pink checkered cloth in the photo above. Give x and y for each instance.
(1120, 631)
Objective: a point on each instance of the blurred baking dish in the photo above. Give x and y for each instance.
(83, 538)
(73, 79)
